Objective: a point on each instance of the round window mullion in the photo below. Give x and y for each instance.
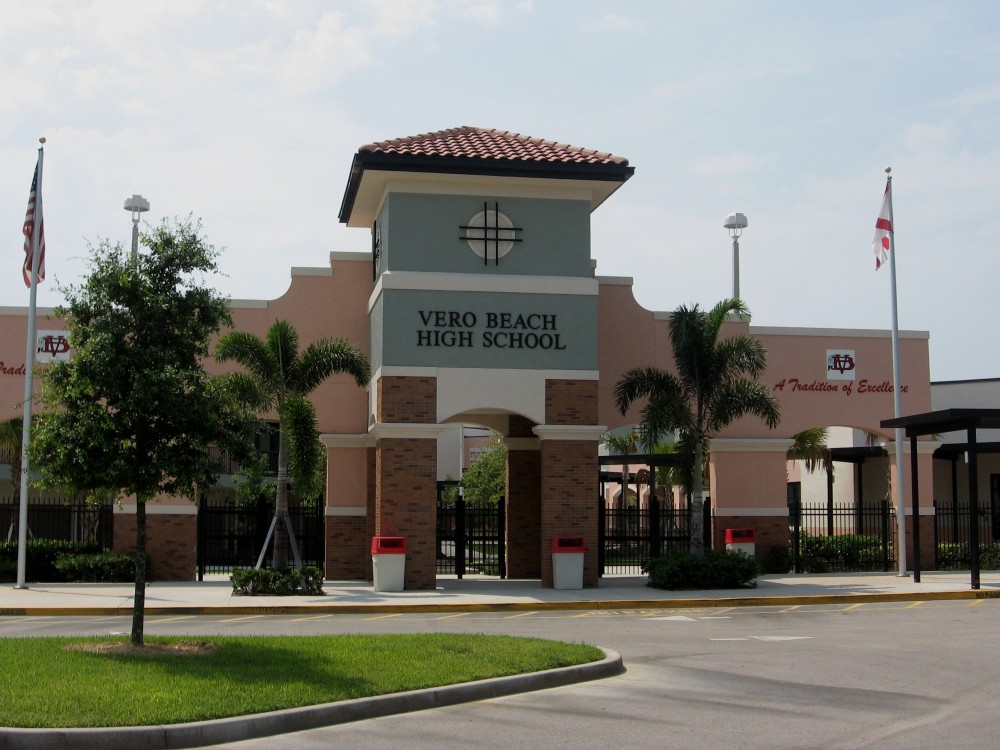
(490, 234)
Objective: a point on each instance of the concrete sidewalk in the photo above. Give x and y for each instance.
(486, 594)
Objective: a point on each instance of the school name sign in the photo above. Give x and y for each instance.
(465, 329)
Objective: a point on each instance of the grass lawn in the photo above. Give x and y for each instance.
(74, 682)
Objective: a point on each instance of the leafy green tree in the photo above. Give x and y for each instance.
(11, 436)
(485, 481)
(133, 412)
(716, 384)
(278, 377)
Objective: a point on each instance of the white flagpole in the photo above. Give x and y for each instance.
(29, 366)
(897, 394)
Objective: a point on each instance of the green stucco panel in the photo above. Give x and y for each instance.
(421, 232)
(485, 330)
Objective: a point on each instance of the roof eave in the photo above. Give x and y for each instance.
(371, 161)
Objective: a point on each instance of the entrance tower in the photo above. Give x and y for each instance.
(483, 310)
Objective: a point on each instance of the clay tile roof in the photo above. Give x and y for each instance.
(485, 143)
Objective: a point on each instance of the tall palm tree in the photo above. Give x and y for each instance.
(279, 378)
(716, 383)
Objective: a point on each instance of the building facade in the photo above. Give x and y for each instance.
(479, 304)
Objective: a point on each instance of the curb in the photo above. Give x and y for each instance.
(238, 728)
(604, 604)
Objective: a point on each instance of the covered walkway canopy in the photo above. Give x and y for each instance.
(935, 422)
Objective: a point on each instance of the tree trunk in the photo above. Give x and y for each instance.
(698, 503)
(279, 560)
(139, 600)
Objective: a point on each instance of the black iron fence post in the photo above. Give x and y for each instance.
(796, 509)
(706, 523)
(460, 536)
(602, 532)
(654, 529)
(502, 537)
(885, 536)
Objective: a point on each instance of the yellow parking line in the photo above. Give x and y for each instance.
(520, 614)
(452, 617)
(852, 607)
(241, 619)
(976, 602)
(307, 619)
(789, 609)
(169, 619)
(913, 606)
(384, 617)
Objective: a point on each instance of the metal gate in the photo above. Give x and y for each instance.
(630, 537)
(841, 537)
(469, 540)
(231, 534)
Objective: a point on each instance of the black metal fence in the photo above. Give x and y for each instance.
(231, 534)
(952, 533)
(841, 537)
(469, 540)
(628, 538)
(60, 518)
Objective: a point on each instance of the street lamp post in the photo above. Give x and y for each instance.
(736, 223)
(137, 205)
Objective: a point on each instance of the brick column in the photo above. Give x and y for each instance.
(171, 540)
(569, 471)
(348, 518)
(523, 508)
(405, 501)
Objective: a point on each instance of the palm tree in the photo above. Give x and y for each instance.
(810, 447)
(279, 378)
(623, 445)
(716, 384)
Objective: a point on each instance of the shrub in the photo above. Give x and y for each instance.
(777, 560)
(268, 582)
(958, 556)
(821, 554)
(716, 570)
(40, 557)
(96, 568)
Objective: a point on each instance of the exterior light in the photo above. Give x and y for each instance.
(736, 223)
(137, 205)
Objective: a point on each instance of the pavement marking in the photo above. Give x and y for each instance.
(521, 614)
(241, 619)
(722, 617)
(157, 620)
(452, 617)
(676, 618)
(307, 619)
(384, 617)
(782, 637)
(976, 602)
(789, 609)
(913, 606)
(852, 607)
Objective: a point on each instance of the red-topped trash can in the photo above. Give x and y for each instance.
(567, 562)
(741, 540)
(388, 562)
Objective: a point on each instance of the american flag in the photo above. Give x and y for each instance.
(34, 210)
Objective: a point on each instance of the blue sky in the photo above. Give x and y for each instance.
(247, 114)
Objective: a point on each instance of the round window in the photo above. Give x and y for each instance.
(490, 234)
